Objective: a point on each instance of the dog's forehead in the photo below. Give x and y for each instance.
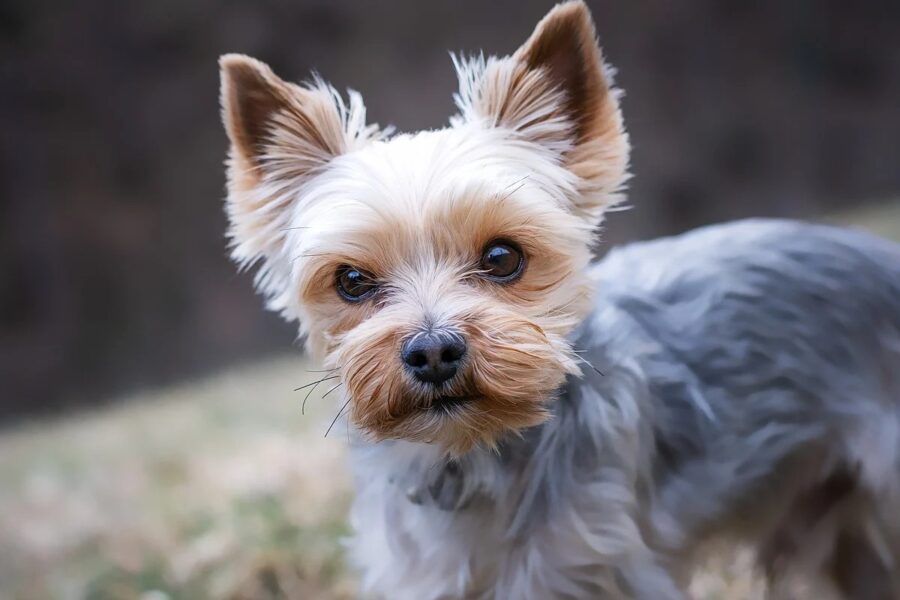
(420, 173)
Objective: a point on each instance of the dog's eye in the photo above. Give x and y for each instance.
(354, 285)
(502, 261)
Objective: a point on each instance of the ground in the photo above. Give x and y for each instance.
(222, 488)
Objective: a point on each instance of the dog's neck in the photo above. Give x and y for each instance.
(425, 475)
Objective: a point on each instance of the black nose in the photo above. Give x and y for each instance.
(433, 356)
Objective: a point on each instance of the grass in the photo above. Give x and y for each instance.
(221, 488)
(218, 489)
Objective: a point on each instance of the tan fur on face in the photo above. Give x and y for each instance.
(512, 369)
(536, 154)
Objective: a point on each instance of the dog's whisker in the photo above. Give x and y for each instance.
(336, 417)
(308, 255)
(518, 181)
(332, 389)
(309, 393)
(509, 194)
(558, 310)
(517, 184)
(588, 363)
(318, 381)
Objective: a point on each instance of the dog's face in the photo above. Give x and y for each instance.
(439, 273)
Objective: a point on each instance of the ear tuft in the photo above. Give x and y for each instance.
(556, 92)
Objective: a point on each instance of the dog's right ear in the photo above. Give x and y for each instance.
(556, 92)
(281, 136)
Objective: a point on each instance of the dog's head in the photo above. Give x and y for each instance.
(437, 273)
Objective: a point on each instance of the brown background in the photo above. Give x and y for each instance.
(113, 273)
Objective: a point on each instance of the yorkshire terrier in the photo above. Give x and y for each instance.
(528, 423)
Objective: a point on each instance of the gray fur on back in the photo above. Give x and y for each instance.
(755, 338)
(726, 370)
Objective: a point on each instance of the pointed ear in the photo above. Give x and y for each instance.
(265, 116)
(251, 96)
(281, 135)
(556, 91)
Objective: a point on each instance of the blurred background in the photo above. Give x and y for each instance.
(112, 255)
(115, 288)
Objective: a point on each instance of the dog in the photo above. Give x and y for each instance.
(527, 422)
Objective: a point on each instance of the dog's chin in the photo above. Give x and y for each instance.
(456, 422)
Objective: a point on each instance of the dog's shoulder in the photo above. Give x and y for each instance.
(717, 255)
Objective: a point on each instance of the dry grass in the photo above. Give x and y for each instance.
(220, 489)
(217, 489)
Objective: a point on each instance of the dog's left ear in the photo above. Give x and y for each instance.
(555, 91)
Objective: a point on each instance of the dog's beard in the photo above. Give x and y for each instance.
(512, 368)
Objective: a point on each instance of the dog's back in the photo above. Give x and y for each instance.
(772, 353)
